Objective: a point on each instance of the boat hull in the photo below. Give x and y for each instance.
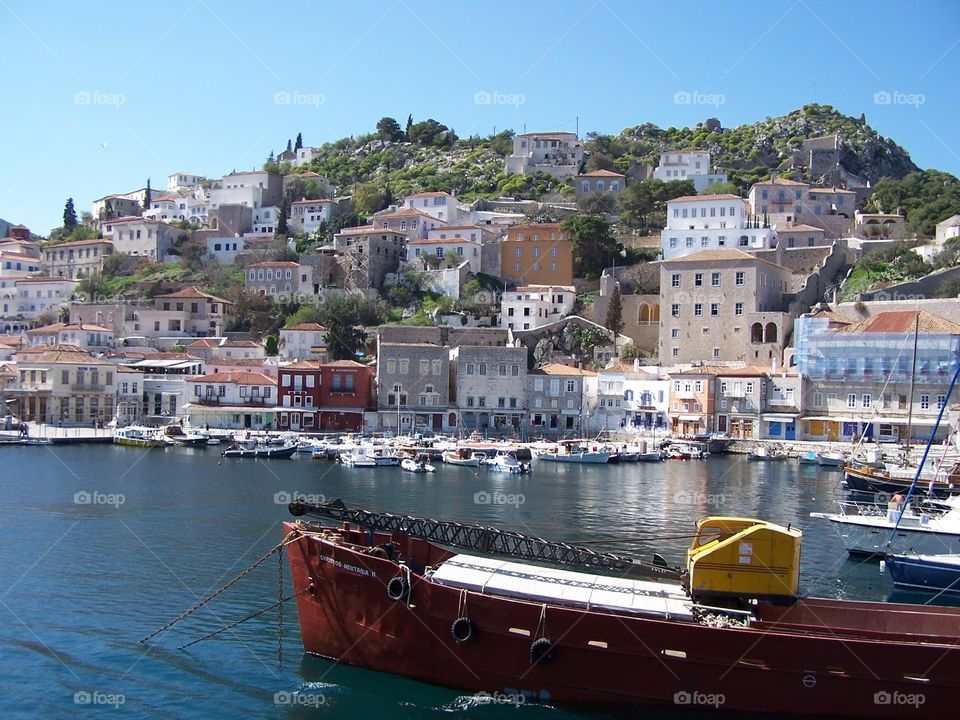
(924, 573)
(865, 480)
(268, 453)
(617, 659)
(869, 539)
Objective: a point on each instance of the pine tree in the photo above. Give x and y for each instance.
(409, 125)
(69, 216)
(289, 145)
(299, 143)
(147, 196)
(614, 321)
(282, 220)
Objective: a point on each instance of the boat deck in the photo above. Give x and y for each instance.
(541, 584)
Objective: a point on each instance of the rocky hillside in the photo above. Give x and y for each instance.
(473, 167)
(751, 152)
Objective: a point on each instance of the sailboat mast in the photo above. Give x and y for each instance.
(913, 375)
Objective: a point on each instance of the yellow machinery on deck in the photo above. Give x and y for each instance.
(743, 557)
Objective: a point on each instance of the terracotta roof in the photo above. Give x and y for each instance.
(714, 255)
(779, 181)
(306, 327)
(344, 364)
(236, 378)
(204, 343)
(601, 173)
(904, 321)
(128, 369)
(302, 365)
(427, 194)
(237, 362)
(321, 201)
(44, 279)
(16, 255)
(403, 212)
(559, 369)
(831, 316)
(56, 327)
(702, 198)
(445, 241)
(726, 371)
(457, 227)
(70, 355)
(799, 228)
(360, 230)
(274, 263)
(543, 288)
(240, 343)
(192, 292)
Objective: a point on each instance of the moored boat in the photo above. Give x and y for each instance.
(936, 483)
(263, 452)
(398, 594)
(830, 459)
(577, 451)
(175, 435)
(506, 462)
(133, 436)
(764, 453)
(415, 465)
(464, 457)
(357, 458)
(939, 573)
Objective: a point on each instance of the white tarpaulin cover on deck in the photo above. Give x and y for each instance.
(540, 584)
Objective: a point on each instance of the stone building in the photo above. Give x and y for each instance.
(489, 388)
(413, 387)
(556, 400)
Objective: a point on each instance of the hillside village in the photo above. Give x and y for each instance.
(527, 285)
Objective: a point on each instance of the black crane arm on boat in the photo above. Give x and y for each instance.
(493, 541)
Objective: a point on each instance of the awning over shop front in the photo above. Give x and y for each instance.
(780, 417)
(690, 418)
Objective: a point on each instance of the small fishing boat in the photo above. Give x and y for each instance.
(686, 451)
(262, 452)
(764, 453)
(385, 458)
(809, 457)
(464, 457)
(358, 458)
(831, 459)
(940, 573)
(36, 441)
(133, 436)
(577, 451)
(416, 466)
(503, 461)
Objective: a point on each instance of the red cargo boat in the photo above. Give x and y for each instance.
(384, 592)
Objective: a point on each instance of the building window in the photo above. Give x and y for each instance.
(941, 399)
(675, 280)
(698, 309)
(818, 399)
(675, 310)
(924, 402)
(716, 352)
(714, 309)
(698, 279)
(715, 279)
(675, 333)
(739, 278)
(852, 400)
(867, 400)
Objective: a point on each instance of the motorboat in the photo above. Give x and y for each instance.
(504, 461)
(416, 466)
(358, 458)
(135, 436)
(463, 457)
(938, 573)
(249, 449)
(764, 453)
(687, 450)
(175, 435)
(830, 459)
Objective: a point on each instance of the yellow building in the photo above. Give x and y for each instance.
(540, 254)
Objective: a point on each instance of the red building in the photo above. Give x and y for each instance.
(324, 397)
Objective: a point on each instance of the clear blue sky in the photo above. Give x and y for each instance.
(193, 85)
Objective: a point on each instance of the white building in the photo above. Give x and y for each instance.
(13, 264)
(709, 222)
(949, 228)
(224, 249)
(306, 154)
(251, 189)
(556, 153)
(693, 165)
(306, 216)
(305, 341)
(76, 259)
(168, 208)
(88, 337)
(231, 400)
(440, 205)
(465, 251)
(38, 295)
(532, 306)
(265, 220)
(646, 397)
(140, 237)
(183, 181)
